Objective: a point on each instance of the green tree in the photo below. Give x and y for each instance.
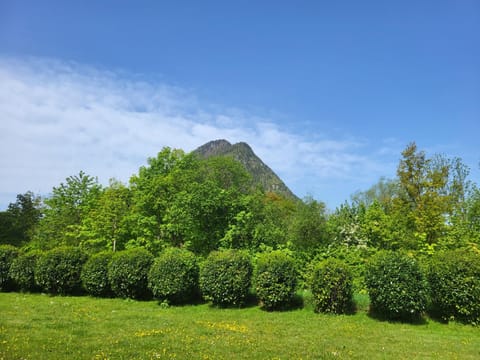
(432, 194)
(65, 210)
(263, 220)
(379, 228)
(152, 186)
(208, 198)
(153, 190)
(106, 224)
(383, 192)
(344, 226)
(473, 215)
(308, 227)
(464, 217)
(18, 222)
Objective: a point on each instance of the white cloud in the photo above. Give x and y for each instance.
(58, 118)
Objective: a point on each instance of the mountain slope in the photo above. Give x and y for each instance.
(243, 153)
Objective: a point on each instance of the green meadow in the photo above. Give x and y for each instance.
(35, 326)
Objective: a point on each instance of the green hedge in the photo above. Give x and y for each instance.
(7, 254)
(454, 278)
(174, 276)
(95, 275)
(396, 285)
(275, 280)
(225, 277)
(22, 271)
(332, 287)
(128, 271)
(58, 271)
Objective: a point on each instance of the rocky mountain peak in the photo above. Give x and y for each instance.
(242, 152)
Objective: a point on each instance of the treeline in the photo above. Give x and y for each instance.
(202, 205)
(181, 201)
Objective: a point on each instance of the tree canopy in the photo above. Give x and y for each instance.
(202, 204)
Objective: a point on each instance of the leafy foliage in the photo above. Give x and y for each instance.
(202, 202)
(7, 254)
(396, 286)
(128, 271)
(65, 210)
(427, 189)
(57, 271)
(106, 226)
(174, 276)
(275, 279)
(308, 230)
(225, 277)
(344, 226)
(18, 222)
(22, 270)
(354, 257)
(331, 285)
(454, 278)
(95, 274)
(201, 211)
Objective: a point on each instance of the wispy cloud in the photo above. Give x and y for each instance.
(59, 117)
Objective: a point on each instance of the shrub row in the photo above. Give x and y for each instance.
(448, 284)
(224, 277)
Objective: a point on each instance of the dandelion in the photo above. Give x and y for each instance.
(151, 332)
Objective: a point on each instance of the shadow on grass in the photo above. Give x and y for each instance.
(349, 310)
(406, 319)
(436, 315)
(296, 303)
(188, 300)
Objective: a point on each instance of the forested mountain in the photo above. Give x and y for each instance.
(242, 152)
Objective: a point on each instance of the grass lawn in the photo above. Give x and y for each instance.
(34, 326)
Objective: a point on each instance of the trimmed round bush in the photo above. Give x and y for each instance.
(331, 284)
(22, 271)
(128, 272)
(454, 278)
(275, 280)
(225, 277)
(95, 275)
(396, 285)
(174, 276)
(58, 271)
(7, 254)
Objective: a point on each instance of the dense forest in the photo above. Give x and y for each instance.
(183, 200)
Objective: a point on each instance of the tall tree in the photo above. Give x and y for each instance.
(152, 191)
(65, 209)
(308, 228)
(18, 222)
(432, 193)
(383, 192)
(208, 198)
(105, 226)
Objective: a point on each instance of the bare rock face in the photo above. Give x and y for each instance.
(214, 148)
(242, 152)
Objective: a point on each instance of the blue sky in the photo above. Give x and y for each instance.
(327, 93)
